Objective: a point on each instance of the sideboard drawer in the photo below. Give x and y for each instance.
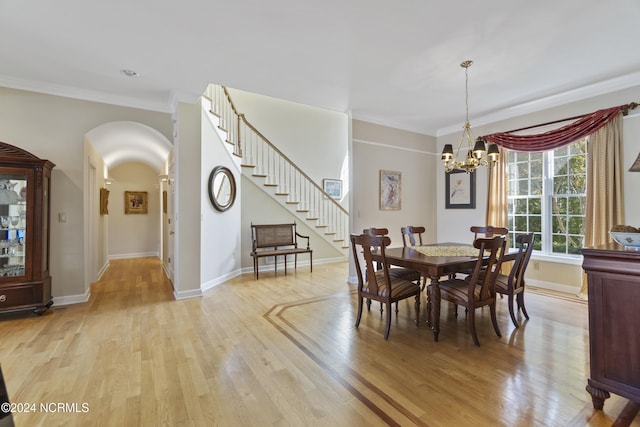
(16, 297)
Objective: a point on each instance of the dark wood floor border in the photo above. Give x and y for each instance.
(276, 313)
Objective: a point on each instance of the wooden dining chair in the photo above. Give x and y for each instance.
(379, 284)
(512, 285)
(398, 272)
(478, 290)
(403, 273)
(488, 231)
(410, 232)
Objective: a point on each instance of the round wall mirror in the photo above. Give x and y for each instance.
(222, 188)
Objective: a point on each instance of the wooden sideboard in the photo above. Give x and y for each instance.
(614, 322)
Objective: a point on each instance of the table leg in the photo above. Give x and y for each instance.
(435, 303)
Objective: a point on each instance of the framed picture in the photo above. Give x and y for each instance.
(135, 202)
(333, 187)
(460, 190)
(390, 190)
(164, 201)
(104, 201)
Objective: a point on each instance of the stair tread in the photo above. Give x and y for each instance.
(302, 210)
(244, 165)
(259, 175)
(270, 185)
(282, 194)
(291, 202)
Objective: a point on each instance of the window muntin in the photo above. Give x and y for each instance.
(547, 196)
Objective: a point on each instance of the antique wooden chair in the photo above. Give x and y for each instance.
(478, 290)
(410, 232)
(400, 272)
(379, 284)
(488, 231)
(397, 272)
(512, 285)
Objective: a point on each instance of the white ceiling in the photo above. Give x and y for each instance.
(389, 62)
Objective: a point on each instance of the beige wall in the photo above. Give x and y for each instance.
(376, 148)
(53, 128)
(134, 235)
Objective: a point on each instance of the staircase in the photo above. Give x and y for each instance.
(270, 169)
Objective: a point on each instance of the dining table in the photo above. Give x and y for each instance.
(435, 261)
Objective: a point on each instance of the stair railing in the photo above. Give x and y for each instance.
(268, 162)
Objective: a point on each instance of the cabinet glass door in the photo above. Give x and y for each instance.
(13, 224)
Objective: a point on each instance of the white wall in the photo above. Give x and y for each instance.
(134, 235)
(220, 246)
(314, 138)
(188, 201)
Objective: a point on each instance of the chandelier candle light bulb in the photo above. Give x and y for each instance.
(474, 156)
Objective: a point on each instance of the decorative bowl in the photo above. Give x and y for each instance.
(631, 240)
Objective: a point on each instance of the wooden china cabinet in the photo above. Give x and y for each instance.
(25, 183)
(613, 272)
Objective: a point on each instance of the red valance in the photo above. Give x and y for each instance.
(582, 127)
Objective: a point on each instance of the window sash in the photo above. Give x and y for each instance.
(555, 218)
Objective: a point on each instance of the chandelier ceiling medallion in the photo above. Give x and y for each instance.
(474, 156)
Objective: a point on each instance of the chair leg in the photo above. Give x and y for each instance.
(388, 328)
(368, 304)
(494, 319)
(428, 306)
(359, 316)
(472, 327)
(417, 304)
(520, 299)
(396, 308)
(512, 312)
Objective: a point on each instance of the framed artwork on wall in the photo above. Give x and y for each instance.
(333, 187)
(460, 190)
(135, 202)
(104, 201)
(390, 190)
(164, 201)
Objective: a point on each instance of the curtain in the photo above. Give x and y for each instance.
(497, 196)
(497, 209)
(604, 186)
(580, 128)
(604, 170)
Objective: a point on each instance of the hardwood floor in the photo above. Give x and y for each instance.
(283, 351)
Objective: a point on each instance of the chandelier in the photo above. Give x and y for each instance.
(474, 156)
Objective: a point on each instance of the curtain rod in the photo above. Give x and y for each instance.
(625, 111)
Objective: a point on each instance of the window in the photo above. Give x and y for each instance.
(547, 196)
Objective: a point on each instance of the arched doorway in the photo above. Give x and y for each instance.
(123, 145)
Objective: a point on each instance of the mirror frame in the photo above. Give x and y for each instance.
(232, 182)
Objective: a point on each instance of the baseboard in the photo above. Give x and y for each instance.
(210, 284)
(187, 294)
(135, 255)
(103, 270)
(558, 287)
(71, 299)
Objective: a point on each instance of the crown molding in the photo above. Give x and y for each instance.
(85, 95)
(579, 94)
